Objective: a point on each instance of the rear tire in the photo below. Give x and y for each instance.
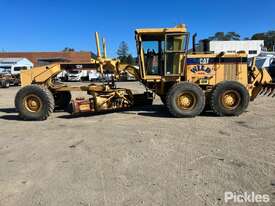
(34, 102)
(62, 99)
(229, 98)
(185, 100)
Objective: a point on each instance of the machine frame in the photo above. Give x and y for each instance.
(223, 82)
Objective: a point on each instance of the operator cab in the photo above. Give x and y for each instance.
(162, 52)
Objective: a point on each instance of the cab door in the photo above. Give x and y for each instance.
(176, 46)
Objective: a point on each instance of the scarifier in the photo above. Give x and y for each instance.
(187, 83)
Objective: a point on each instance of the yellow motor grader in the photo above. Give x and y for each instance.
(187, 83)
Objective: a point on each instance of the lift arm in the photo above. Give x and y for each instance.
(39, 75)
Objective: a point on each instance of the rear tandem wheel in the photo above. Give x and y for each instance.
(229, 98)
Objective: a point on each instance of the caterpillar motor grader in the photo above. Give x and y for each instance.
(187, 83)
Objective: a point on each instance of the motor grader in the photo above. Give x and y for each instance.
(187, 83)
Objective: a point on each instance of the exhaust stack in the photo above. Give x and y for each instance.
(104, 48)
(97, 45)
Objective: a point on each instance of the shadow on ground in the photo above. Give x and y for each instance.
(11, 117)
(11, 114)
(7, 110)
(158, 111)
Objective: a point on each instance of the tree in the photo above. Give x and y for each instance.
(268, 37)
(221, 36)
(123, 49)
(123, 54)
(131, 60)
(68, 49)
(233, 36)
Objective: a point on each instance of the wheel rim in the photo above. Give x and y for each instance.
(33, 103)
(186, 101)
(231, 99)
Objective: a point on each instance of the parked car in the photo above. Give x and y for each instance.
(94, 75)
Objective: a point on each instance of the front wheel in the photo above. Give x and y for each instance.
(185, 100)
(229, 98)
(34, 102)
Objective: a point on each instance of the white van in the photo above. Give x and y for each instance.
(94, 75)
(15, 65)
(10, 70)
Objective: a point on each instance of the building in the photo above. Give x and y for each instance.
(14, 65)
(251, 47)
(44, 58)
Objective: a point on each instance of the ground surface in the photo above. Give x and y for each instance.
(141, 157)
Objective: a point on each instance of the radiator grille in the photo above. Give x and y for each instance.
(230, 72)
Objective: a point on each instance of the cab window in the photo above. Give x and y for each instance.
(153, 56)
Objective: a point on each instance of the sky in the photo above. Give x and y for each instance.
(52, 25)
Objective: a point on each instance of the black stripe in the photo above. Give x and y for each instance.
(217, 60)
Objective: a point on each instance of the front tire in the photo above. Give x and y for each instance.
(185, 100)
(229, 98)
(34, 102)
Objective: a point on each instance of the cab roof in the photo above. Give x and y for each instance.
(178, 29)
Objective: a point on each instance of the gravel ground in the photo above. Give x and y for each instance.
(140, 157)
